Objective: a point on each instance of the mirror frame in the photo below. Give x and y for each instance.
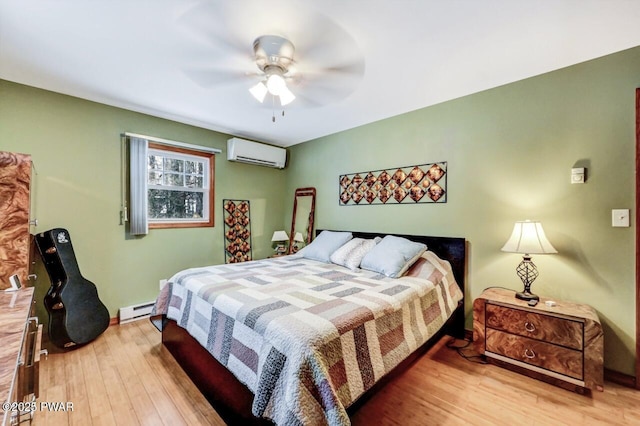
(303, 192)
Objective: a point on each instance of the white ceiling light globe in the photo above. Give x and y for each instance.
(275, 84)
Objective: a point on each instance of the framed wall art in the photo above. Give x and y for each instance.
(237, 231)
(424, 183)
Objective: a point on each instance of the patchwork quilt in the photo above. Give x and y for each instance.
(308, 338)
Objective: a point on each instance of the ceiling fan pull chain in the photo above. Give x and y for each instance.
(273, 108)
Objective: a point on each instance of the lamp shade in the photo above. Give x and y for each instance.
(280, 236)
(298, 237)
(259, 91)
(286, 97)
(528, 238)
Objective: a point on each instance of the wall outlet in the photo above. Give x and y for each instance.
(162, 283)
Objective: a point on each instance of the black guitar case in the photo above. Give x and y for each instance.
(76, 314)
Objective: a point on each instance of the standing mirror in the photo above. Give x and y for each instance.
(304, 205)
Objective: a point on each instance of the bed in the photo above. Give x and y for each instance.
(298, 341)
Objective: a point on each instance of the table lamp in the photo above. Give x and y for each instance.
(298, 239)
(528, 238)
(280, 237)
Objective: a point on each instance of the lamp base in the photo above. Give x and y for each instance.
(527, 272)
(526, 295)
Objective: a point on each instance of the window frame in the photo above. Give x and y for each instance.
(169, 223)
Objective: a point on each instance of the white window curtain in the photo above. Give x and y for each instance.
(138, 149)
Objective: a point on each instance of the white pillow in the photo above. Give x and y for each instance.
(350, 254)
(393, 256)
(325, 244)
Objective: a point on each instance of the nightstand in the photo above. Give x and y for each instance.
(562, 345)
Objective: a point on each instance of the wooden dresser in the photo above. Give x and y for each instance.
(562, 345)
(15, 212)
(21, 338)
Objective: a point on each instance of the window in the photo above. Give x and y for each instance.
(179, 187)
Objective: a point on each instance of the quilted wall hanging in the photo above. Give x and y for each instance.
(425, 183)
(237, 231)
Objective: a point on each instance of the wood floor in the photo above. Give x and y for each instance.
(126, 377)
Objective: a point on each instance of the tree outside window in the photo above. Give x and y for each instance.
(180, 187)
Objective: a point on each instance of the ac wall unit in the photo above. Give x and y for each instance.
(244, 151)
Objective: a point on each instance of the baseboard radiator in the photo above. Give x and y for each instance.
(135, 312)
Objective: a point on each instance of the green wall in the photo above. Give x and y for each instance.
(76, 149)
(510, 151)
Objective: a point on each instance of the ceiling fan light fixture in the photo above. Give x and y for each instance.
(274, 55)
(259, 91)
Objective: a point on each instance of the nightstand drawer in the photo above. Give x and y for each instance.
(560, 331)
(550, 357)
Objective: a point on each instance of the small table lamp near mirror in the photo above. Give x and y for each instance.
(280, 238)
(296, 242)
(528, 238)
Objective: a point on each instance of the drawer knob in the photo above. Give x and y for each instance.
(529, 327)
(528, 353)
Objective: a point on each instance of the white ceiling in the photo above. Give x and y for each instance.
(168, 58)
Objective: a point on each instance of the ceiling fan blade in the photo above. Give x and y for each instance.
(323, 95)
(322, 42)
(209, 77)
(203, 22)
(329, 64)
(328, 85)
(303, 101)
(352, 69)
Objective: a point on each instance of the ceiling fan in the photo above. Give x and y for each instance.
(324, 67)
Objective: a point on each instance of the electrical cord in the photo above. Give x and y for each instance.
(470, 354)
(503, 288)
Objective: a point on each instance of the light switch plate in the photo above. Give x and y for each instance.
(577, 175)
(620, 217)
